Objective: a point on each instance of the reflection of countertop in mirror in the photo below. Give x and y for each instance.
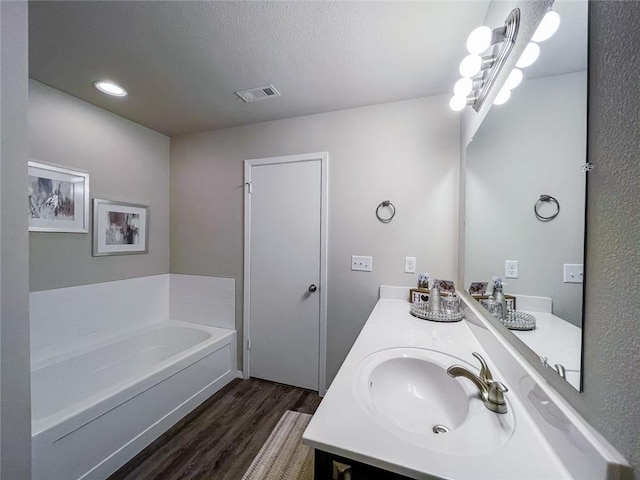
(558, 340)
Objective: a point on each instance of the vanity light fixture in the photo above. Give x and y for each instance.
(488, 50)
(480, 72)
(110, 88)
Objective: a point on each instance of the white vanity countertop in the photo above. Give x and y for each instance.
(342, 426)
(556, 339)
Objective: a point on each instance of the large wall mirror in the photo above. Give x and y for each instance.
(535, 145)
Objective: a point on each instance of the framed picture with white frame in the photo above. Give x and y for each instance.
(58, 199)
(119, 228)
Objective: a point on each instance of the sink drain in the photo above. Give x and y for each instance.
(440, 429)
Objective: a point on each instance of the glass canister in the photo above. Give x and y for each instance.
(450, 304)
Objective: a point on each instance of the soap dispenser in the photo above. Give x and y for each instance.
(435, 300)
(499, 299)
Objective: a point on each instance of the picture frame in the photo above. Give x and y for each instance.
(446, 286)
(119, 228)
(478, 288)
(58, 198)
(418, 295)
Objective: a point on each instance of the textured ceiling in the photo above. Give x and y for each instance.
(182, 61)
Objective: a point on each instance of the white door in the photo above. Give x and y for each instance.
(285, 229)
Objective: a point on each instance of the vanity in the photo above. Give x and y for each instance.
(392, 412)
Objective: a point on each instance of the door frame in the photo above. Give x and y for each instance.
(324, 209)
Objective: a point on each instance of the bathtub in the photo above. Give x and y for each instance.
(94, 409)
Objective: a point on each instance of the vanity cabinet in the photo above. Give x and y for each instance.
(334, 467)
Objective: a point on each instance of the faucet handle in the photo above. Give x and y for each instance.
(496, 392)
(485, 373)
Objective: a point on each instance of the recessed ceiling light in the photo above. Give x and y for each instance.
(110, 88)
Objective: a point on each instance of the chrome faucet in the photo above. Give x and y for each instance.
(558, 367)
(491, 392)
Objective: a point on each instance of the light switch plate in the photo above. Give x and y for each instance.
(573, 273)
(362, 264)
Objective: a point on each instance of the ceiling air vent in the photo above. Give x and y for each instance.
(260, 93)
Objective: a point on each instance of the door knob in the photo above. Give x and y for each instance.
(312, 288)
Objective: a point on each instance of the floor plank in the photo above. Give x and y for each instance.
(220, 438)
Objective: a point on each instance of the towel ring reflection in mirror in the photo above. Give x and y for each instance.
(542, 200)
(386, 204)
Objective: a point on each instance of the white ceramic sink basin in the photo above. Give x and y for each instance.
(408, 392)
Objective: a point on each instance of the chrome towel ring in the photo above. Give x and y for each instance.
(545, 199)
(384, 204)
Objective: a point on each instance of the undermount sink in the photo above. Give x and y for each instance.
(408, 392)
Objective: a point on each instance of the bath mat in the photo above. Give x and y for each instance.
(283, 456)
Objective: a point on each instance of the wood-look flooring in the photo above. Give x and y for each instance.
(219, 439)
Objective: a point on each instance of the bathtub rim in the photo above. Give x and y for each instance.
(77, 415)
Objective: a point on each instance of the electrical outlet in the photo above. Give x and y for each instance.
(511, 269)
(362, 264)
(573, 273)
(409, 264)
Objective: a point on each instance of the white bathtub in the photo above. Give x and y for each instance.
(93, 410)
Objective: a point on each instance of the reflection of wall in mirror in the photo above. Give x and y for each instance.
(532, 145)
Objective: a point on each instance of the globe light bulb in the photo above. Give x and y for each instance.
(479, 40)
(503, 96)
(529, 55)
(548, 26)
(470, 65)
(463, 87)
(458, 102)
(514, 79)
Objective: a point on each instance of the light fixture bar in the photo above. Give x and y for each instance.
(498, 34)
(511, 27)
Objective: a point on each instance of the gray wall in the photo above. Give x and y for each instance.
(612, 300)
(126, 162)
(15, 404)
(532, 145)
(406, 152)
